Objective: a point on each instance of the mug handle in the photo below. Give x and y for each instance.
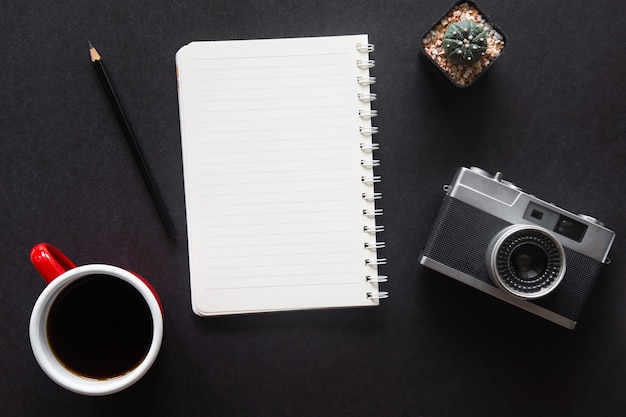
(49, 261)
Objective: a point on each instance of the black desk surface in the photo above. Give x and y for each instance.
(549, 115)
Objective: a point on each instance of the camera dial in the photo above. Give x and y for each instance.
(510, 185)
(591, 219)
(526, 261)
(480, 171)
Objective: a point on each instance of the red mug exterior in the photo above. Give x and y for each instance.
(49, 261)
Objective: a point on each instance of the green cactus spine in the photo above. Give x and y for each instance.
(465, 42)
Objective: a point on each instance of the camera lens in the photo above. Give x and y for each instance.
(526, 261)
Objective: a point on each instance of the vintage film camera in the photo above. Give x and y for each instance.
(491, 235)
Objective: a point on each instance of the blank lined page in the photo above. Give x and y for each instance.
(273, 173)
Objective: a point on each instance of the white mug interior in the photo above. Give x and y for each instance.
(56, 370)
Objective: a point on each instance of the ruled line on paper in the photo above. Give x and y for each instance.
(304, 284)
(212, 58)
(271, 109)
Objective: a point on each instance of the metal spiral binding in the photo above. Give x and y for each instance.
(374, 245)
(368, 130)
(370, 163)
(366, 97)
(378, 295)
(371, 196)
(364, 47)
(368, 147)
(366, 114)
(377, 278)
(373, 213)
(365, 80)
(365, 63)
(370, 180)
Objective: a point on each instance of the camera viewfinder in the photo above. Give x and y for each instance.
(570, 228)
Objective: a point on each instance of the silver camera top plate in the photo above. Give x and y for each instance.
(496, 196)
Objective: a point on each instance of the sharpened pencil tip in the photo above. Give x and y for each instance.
(95, 56)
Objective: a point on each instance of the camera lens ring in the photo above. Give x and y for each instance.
(526, 261)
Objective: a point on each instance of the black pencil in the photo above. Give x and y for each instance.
(132, 143)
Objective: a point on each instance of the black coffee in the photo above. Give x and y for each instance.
(100, 327)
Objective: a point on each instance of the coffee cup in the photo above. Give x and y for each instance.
(95, 329)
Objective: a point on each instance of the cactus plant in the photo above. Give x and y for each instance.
(465, 42)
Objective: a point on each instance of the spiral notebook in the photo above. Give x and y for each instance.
(278, 164)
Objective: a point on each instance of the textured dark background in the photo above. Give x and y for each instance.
(549, 115)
